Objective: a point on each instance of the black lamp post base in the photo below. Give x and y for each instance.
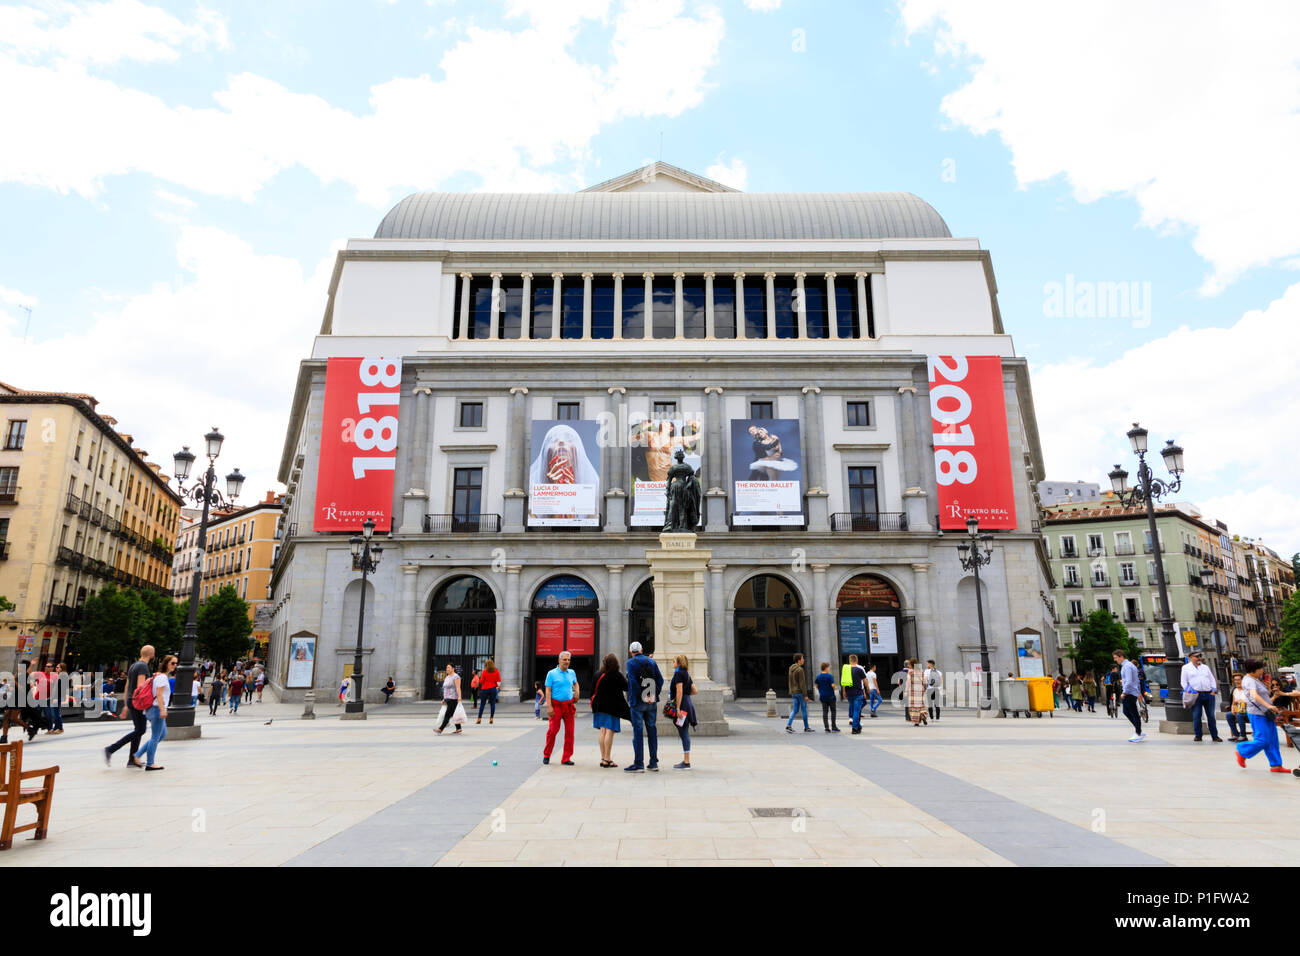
(1177, 727)
(192, 732)
(353, 715)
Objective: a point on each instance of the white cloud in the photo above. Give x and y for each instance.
(763, 6)
(732, 174)
(1192, 109)
(419, 130)
(1225, 394)
(15, 298)
(172, 361)
(106, 33)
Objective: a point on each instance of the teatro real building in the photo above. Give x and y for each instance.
(501, 382)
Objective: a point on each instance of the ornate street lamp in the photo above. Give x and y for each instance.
(365, 558)
(973, 557)
(1149, 490)
(181, 713)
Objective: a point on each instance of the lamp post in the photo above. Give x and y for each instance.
(973, 557)
(1150, 489)
(180, 715)
(365, 558)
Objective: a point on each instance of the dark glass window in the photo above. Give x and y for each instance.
(664, 311)
(464, 594)
(755, 307)
(814, 295)
(871, 315)
(665, 410)
(787, 320)
(467, 492)
(633, 307)
(480, 308)
(8, 481)
(862, 491)
(859, 414)
(568, 411)
(455, 308)
(572, 293)
(15, 435)
(760, 410)
(694, 324)
(724, 308)
(602, 307)
(543, 307)
(471, 414)
(846, 306)
(512, 306)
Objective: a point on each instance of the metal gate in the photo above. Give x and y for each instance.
(465, 640)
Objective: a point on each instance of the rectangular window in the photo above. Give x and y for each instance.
(76, 454)
(815, 317)
(4, 529)
(756, 308)
(1103, 604)
(512, 306)
(664, 410)
(633, 307)
(1127, 573)
(568, 411)
(1096, 545)
(8, 482)
(760, 410)
(787, 319)
(858, 414)
(694, 319)
(471, 415)
(1123, 542)
(572, 293)
(664, 308)
(1067, 546)
(1071, 573)
(724, 308)
(862, 492)
(15, 434)
(467, 493)
(846, 306)
(1076, 609)
(542, 308)
(602, 307)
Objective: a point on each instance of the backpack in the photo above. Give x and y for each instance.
(846, 675)
(143, 697)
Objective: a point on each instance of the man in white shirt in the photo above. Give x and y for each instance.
(1199, 679)
(933, 689)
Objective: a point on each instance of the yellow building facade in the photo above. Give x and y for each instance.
(80, 506)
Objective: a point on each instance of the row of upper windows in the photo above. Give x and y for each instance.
(637, 307)
(1123, 541)
(469, 414)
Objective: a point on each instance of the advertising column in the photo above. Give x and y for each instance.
(358, 444)
(972, 450)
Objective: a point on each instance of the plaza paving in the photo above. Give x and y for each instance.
(388, 791)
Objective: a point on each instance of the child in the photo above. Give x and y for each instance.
(826, 693)
(538, 697)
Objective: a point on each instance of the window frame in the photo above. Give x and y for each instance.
(15, 434)
(871, 417)
(461, 405)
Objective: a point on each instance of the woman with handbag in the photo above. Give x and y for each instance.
(916, 709)
(156, 712)
(489, 685)
(683, 715)
(451, 701)
(608, 706)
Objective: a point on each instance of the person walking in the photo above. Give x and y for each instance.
(872, 687)
(680, 690)
(1059, 688)
(1112, 692)
(450, 699)
(139, 671)
(644, 683)
(933, 689)
(157, 713)
(388, 689)
(538, 698)
(1076, 692)
(214, 694)
(608, 707)
(826, 694)
(260, 683)
(13, 711)
(1198, 681)
(237, 691)
(853, 694)
(561, 686)
(798, 684)
(1238, 720)
(1130, 683)
(1262, 713)
(473, 690)
(1090, 691)
(489, 685)
(916, 711)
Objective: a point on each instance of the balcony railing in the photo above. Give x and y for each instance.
(1123, 549)
(85, 510)
(1072, 584)
(1069, 553)
(1074, 619)
(1129, 582)
(64, 615)
(1133, 617)
(455, 524)
(97, 516)
(73, 504)
(1097, 552)
(887, 521)
(1100, 581)
(8, 497)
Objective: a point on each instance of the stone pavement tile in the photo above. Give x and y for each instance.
(682, 815)
(808, 826)
(706, 828)
(495, 850)
(521, 796)
(713, 862)
(619, 831)
(847, 862)
(666, 849)
(626, 863)
(590, 815)
(628, 801)
(548, 852)
(756, 848)
(937, 861)
(529, 831)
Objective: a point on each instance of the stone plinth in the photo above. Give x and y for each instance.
(680, 570)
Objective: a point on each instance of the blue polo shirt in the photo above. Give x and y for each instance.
(561, 683)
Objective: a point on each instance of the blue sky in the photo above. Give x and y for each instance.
(175, 178)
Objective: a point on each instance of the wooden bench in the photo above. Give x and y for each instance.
(15, 794)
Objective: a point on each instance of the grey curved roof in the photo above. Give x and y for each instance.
(662, 215)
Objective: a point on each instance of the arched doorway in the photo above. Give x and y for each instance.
(641, 617)
(869, 618)
(462, 632)
(565, 617)
(769, 629)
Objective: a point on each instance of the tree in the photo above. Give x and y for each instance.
(111, 623)
(5, 604)
(224, 626)
(1099, 637)
(1289, 651)
(165, 621)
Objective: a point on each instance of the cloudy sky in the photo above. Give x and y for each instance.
(175, 179)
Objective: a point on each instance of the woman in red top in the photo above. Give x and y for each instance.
(488, 683)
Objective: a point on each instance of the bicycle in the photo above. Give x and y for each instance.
(1112, 705)
(1142, 710)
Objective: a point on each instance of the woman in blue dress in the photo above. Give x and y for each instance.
(608, 705)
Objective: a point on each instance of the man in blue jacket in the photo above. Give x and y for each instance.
(644, 682)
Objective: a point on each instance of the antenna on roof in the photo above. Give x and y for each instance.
(27, 328)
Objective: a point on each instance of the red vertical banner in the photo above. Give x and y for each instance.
(358, 444)
(550, 635)
(581, 638)
(972, 448)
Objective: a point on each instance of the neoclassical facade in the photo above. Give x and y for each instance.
(556, 348)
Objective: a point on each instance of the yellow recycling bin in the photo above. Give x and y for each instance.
(1040, 694)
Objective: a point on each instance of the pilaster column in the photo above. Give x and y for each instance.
(649, 278)
(927, 644)
(496, 305)
(408, 616)
(464, 305)
(709, 331)
(526, 307)
(679, 324)
(617, 620)
(618, 306)
(557, 311)
(832, 313)
(716, 638)
(823, 644)
(616, 495)
(510, 655)
(814, 461)
(861, 278)
(801, 305)
(715, 494)
(914, 495)
(416, 498)
(771, 304)
(586, 305)
(516, 462)
(740, 303)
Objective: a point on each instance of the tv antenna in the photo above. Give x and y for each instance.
(27, 328)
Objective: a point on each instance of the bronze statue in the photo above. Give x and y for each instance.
(683, 510)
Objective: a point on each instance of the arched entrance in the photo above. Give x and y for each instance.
(869, 619)
(462, 632)
(565, 617)
(641, 617)
(769, 629)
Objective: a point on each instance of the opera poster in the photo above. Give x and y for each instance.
(564, 475)
(1029, 654)
(766, 471)
(653, 444)
(302, 661)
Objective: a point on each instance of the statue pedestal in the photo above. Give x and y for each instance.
(680, 570)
